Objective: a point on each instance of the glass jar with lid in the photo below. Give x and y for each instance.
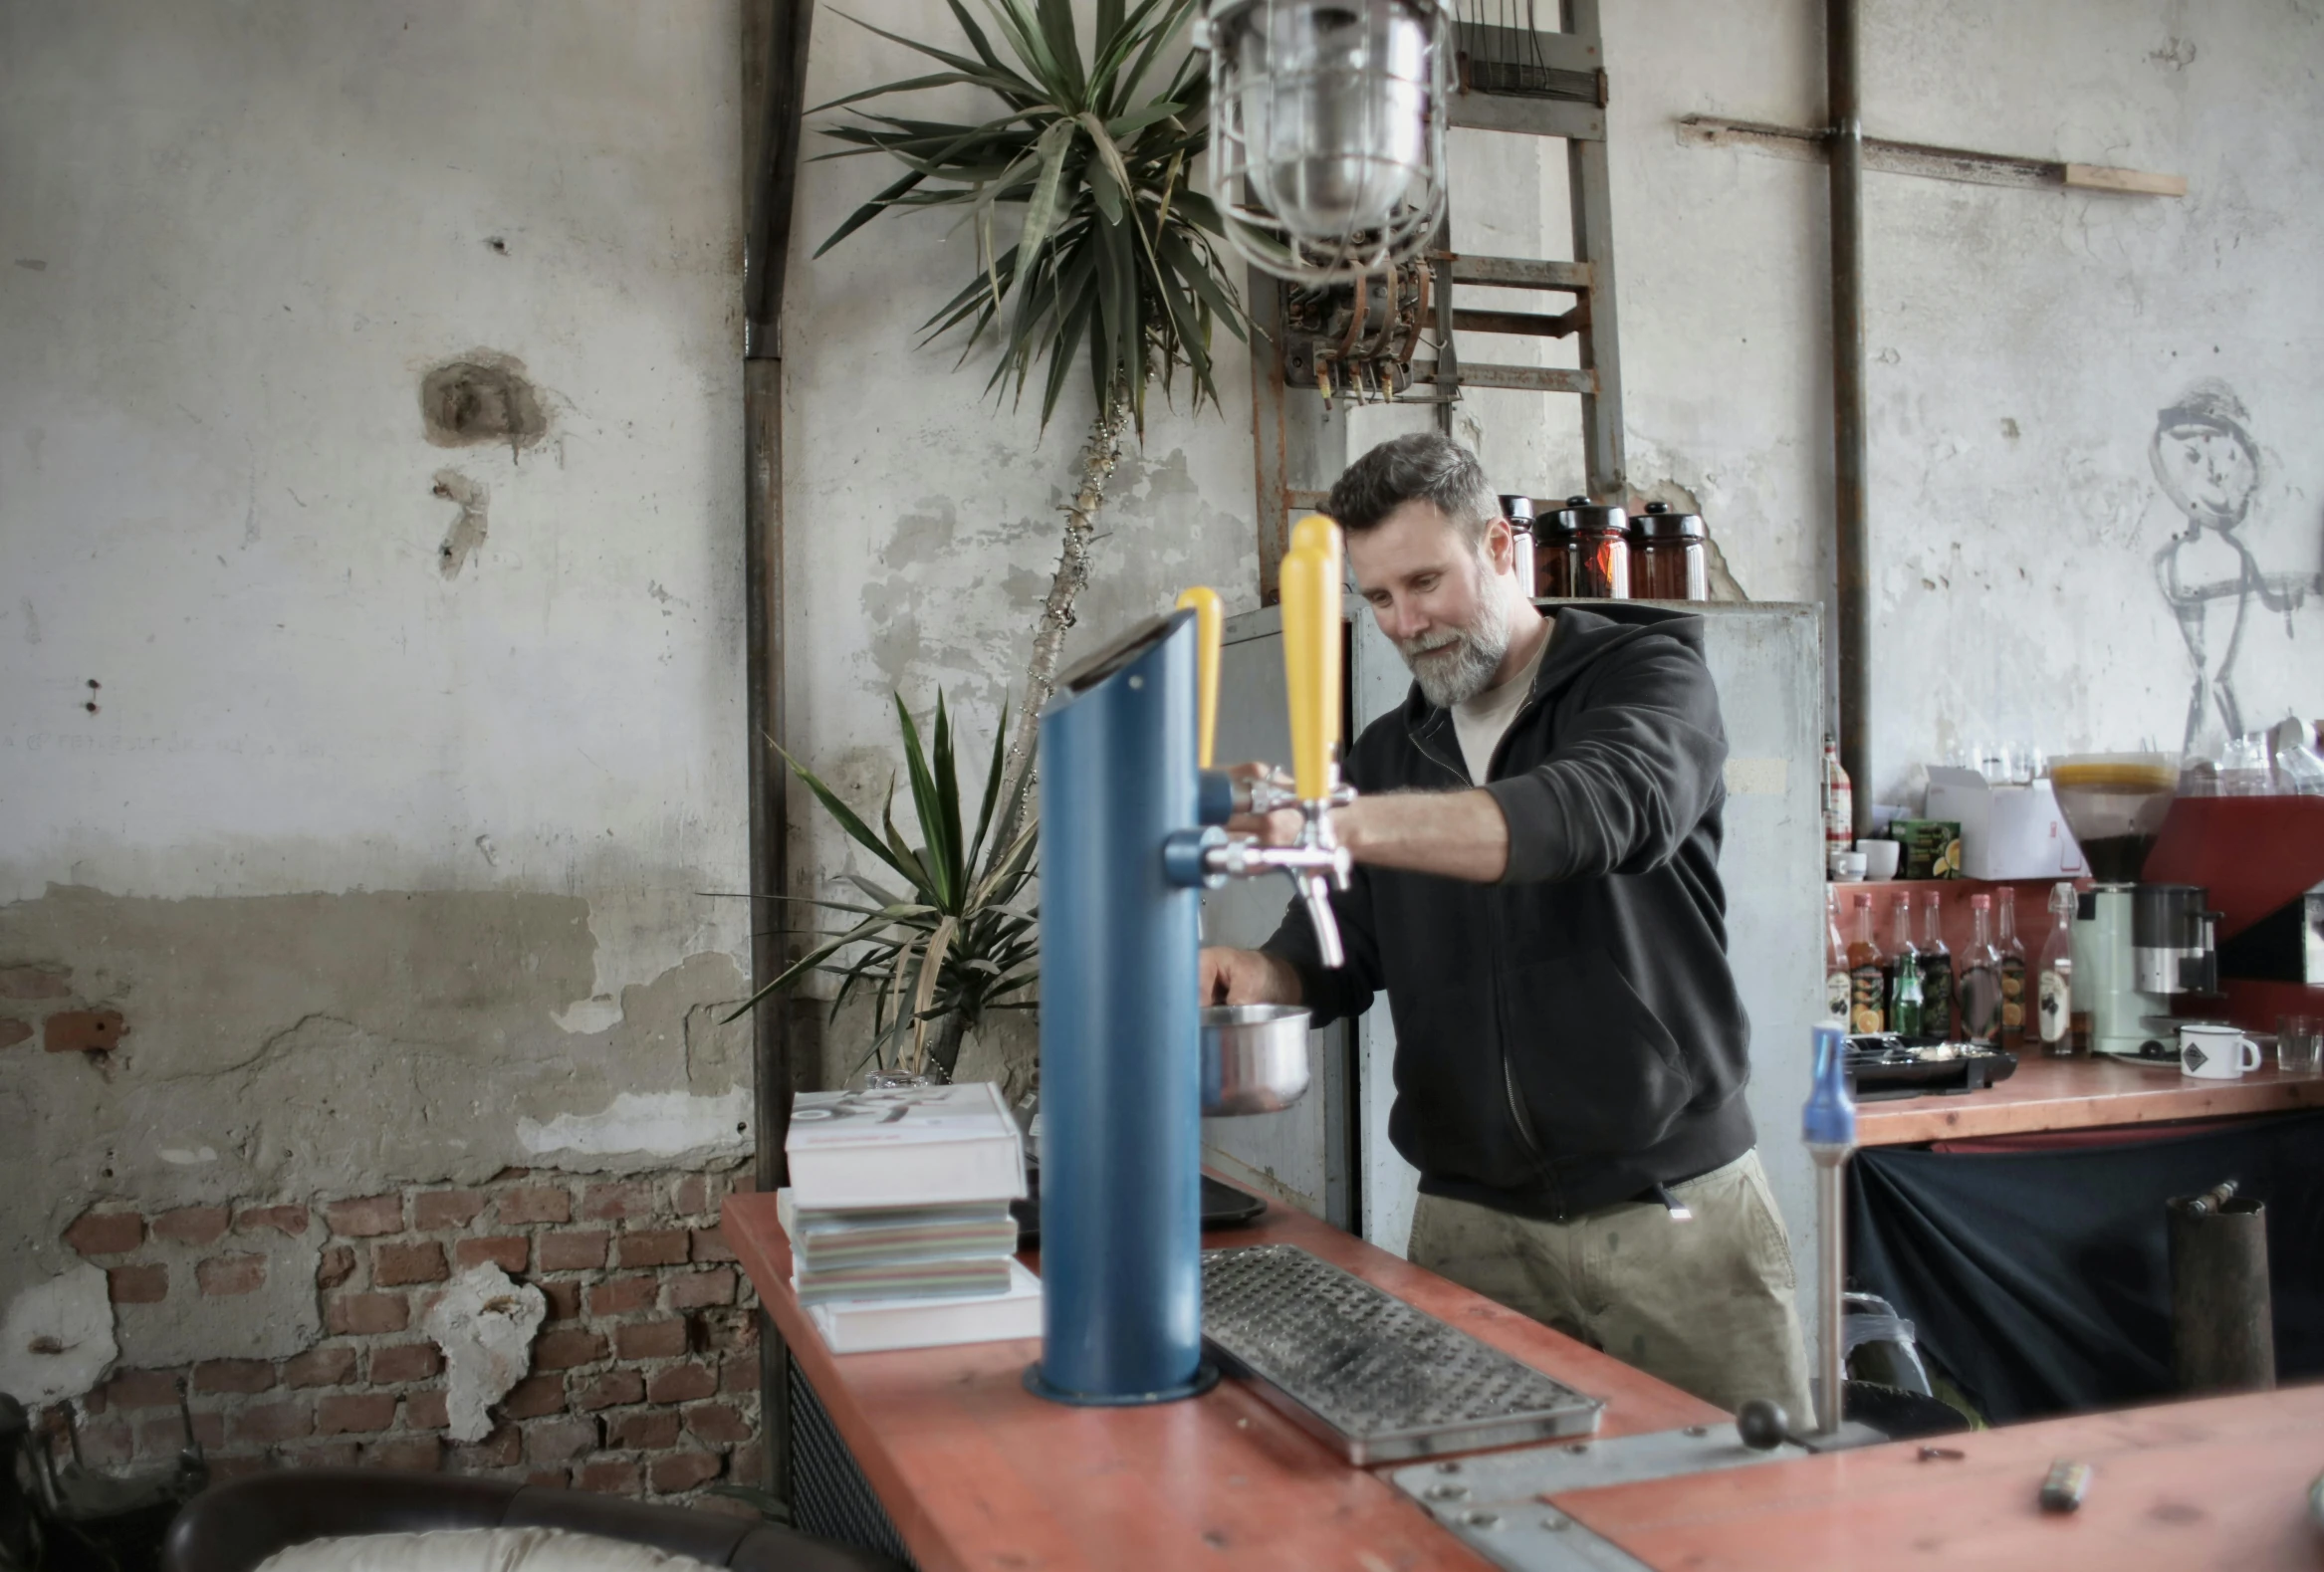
(1601, 549)
(1518, 511)
(1667, 560)
(1553, 554)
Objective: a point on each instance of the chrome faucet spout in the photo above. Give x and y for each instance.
(1315, 891)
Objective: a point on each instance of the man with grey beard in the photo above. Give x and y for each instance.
(1536, 837)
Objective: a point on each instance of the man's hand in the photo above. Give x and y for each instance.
(1247, 976)
(1460, 834)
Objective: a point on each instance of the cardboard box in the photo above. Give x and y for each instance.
(1931, 849)
(2006, 831)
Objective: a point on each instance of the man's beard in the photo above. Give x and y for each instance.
(1455, 665)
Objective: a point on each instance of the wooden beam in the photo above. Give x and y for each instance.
(1929, 162)
(2099, 177)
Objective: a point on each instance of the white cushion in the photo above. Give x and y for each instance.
(478, 1550)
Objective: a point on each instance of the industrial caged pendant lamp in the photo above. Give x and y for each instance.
(1327, 140)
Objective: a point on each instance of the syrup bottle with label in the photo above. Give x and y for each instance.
(1935, 971)
(1980, 977)
(2014, 1000)
(1836, 984)
(1867, 979)
(2055, 985)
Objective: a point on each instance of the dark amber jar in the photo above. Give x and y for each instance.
(1601, 549)
(1667, 556)
(1553, 554)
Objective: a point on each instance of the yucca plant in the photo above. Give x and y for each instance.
(948, 945)
(1112, 264)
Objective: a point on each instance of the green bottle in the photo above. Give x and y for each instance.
(1903, 975)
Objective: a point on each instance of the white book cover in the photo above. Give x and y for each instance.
(871, 1326)
(904, 1146)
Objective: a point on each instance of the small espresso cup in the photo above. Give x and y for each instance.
(1880, 857)
(2215, 1053)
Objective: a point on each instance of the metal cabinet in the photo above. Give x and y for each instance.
(1330, 1154)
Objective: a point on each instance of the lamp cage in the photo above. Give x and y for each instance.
(1328, 136)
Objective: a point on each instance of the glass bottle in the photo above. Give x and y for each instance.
(1935, 971)
(1554, 553)
(2055, 983)
(1867, 982)
(1836, 984)
(1518, 511)
(1839, 804)
(2014, 1000)
(1980, 977)
(1601, 537)
(1667, 560)
(1904, 970)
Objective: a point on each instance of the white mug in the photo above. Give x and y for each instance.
(2215, 1053)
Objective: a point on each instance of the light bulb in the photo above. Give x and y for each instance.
(1334, 107)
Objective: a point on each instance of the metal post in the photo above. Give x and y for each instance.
(1849, 543)
(1831, 1272)
(774, 60)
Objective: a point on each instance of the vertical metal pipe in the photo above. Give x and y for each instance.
(1849, 549)
(1831, 1272)
(774, 43)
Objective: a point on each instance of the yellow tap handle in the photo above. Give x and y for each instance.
(1310, 612)
(1210, 625)
(1315, 533)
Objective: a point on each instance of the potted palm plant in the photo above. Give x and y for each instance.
(1088, 162)
(938, 939)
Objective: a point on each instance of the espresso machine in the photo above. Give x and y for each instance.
(1132, 821)
(2139, 947)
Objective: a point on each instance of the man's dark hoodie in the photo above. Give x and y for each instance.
(1571, 1037)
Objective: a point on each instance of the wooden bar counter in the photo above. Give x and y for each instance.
(977, 1472)
(2082, 1095)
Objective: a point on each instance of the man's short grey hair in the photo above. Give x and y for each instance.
(1419, 466)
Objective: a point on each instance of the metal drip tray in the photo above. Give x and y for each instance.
(1364, 1371)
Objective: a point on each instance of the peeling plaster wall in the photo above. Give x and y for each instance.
(922, 516)
(372, 766)
(2020, 343)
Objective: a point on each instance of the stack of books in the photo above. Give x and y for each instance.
(898, 1217)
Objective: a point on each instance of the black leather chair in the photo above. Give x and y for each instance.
(234, 1526)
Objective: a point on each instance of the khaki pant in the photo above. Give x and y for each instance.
(1706, 1304)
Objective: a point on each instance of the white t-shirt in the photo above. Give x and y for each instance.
(1482, 722)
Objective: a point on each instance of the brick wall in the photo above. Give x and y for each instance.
(645, 1374)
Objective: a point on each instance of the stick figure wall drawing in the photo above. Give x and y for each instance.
(2208, 465)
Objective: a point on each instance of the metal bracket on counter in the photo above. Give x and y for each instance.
(1498, 1505)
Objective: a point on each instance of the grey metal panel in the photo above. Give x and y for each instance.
(1768, 663)
(1305, 1155)
(1378, 682)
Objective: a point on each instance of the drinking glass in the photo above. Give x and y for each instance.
(2299, 1046)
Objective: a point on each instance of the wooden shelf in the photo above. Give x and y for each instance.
(2082, 1095)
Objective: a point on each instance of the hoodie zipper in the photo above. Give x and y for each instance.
(1508, 1080)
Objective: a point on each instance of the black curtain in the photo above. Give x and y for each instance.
(2040, 1281)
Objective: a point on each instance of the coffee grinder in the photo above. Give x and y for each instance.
(2137, 945)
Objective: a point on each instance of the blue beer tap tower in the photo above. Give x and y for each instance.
(1129, 814)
